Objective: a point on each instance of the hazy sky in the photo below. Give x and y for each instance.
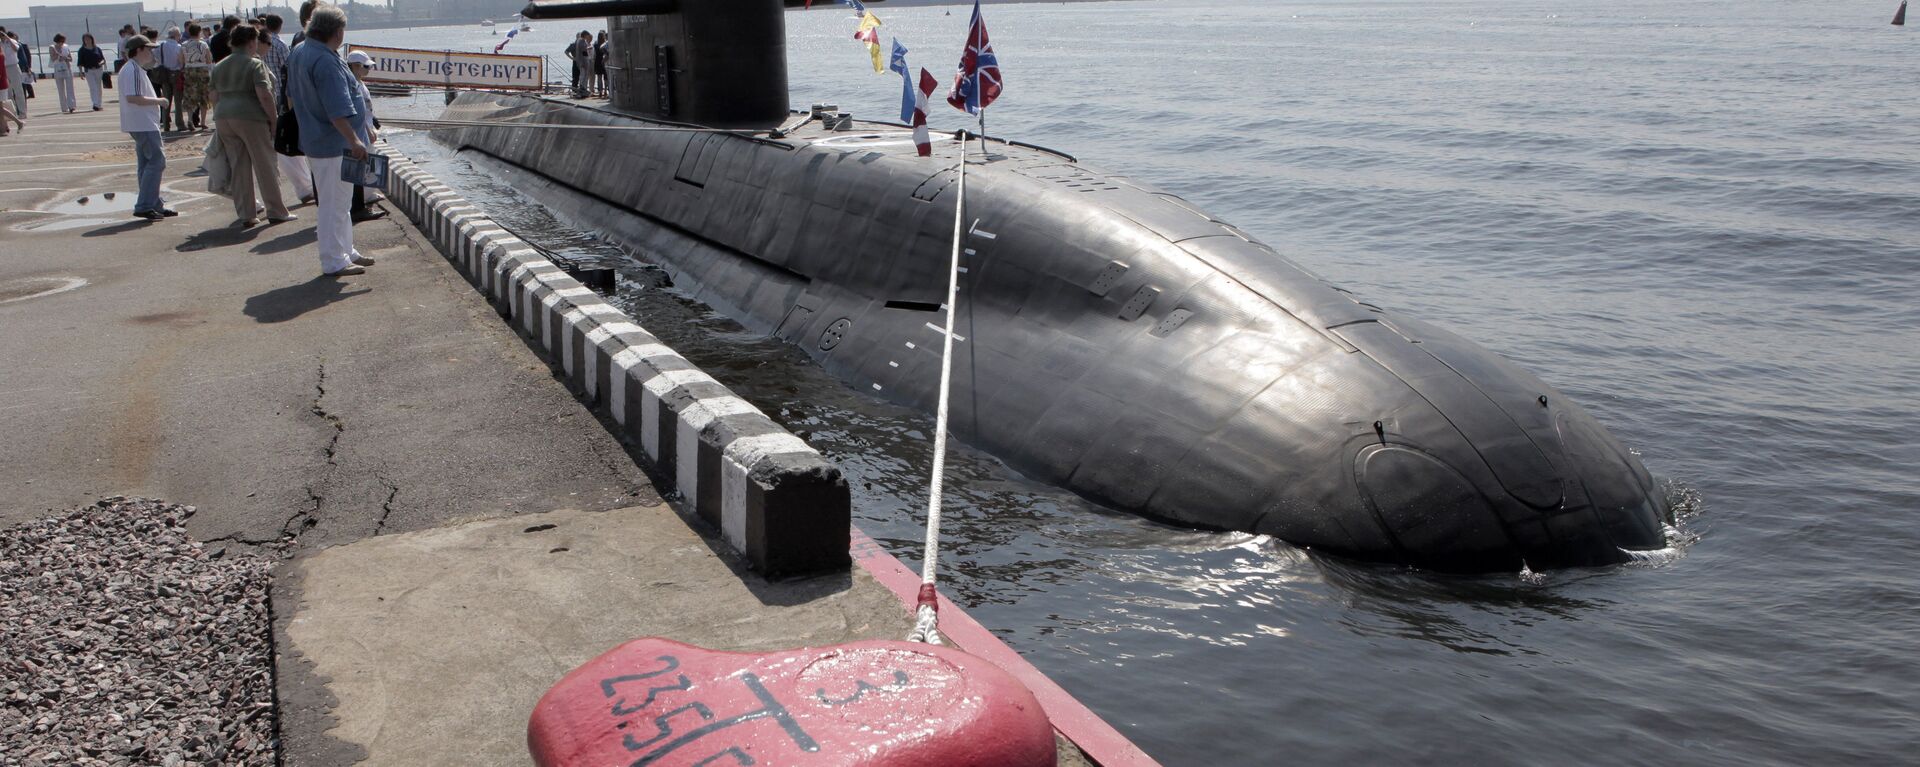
(17, 9)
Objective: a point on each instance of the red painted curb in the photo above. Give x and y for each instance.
(1071, 718)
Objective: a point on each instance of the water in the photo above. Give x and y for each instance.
(1697, 219)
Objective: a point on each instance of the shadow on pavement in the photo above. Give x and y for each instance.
(109, 231)
(286, 242)
(214, 238)
(282, 304)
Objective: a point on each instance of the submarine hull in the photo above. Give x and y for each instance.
(1111, 338)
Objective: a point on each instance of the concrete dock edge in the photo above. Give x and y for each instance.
(774, 499)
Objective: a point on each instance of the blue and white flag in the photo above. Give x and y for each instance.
(899, 64)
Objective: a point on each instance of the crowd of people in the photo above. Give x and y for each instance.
(279, 111)
(589, 57)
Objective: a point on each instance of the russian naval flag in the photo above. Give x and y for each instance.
(978, 82)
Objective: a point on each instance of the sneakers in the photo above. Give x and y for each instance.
(347, 272)
(168, 212)
(363, 261)
(150, 215)
(370, 214)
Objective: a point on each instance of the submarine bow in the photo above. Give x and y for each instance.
(1113, 339)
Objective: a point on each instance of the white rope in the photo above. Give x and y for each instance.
(926, 622)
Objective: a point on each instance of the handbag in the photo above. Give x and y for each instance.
(106, 80)
(286, 134)
(219, 168)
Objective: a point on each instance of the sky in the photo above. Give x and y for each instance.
(17, 9)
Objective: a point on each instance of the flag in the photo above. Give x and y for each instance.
(869, 33)
(977, 83)
(510, 33)
(920, 97)
(899, 64)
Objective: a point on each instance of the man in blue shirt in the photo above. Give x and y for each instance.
(334, 122)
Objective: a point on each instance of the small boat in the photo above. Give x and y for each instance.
(486, 22)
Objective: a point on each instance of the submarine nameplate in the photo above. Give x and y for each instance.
(453, 68)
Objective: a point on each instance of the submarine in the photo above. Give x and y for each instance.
(1110, 338)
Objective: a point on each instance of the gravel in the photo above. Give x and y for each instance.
(123, 641)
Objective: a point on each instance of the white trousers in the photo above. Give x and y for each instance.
(17, 89)
(294, 170)
(93, 84)
(63, 81)
(335, 216)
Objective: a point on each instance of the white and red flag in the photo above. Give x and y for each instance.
(920, 98)
(977, 83)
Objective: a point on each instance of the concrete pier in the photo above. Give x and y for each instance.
(451, 515)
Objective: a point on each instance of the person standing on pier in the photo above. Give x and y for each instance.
(6, 106)
(243, 114)
(334, 122)
(16, 82)
(359, 63)
(93, 64)
(167, 75)
(220, 44)
(62, 58)
(197, 60)
(24, 53)
(294, 168)
(140, 110)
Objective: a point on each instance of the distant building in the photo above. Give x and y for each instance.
(103, 20)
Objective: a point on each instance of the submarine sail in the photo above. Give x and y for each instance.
(1115, 340)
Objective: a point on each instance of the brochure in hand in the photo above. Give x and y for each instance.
(370, 172)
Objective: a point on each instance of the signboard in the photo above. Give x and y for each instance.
(454, 68)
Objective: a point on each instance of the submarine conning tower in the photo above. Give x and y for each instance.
(718, 63)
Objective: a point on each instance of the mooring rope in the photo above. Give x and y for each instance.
(926, 624)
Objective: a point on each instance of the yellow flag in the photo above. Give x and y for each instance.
(869, 33)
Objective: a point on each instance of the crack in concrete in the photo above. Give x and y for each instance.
(306, 519)
(386, 507)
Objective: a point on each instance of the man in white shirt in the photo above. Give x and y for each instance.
(140, 110)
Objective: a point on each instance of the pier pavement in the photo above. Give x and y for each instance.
(457, 529)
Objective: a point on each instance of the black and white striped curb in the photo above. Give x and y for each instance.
(772, 496)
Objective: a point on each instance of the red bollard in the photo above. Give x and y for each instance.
(659, 702)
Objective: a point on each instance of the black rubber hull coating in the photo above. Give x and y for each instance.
(720, 63)
(1112, 339)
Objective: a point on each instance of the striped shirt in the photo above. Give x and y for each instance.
(276, 59)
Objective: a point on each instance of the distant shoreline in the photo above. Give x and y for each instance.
(417, 23)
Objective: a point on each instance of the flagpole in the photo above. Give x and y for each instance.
(983, 134)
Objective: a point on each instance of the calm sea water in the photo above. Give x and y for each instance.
(1698, 219)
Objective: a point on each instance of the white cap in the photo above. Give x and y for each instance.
(360, 57)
